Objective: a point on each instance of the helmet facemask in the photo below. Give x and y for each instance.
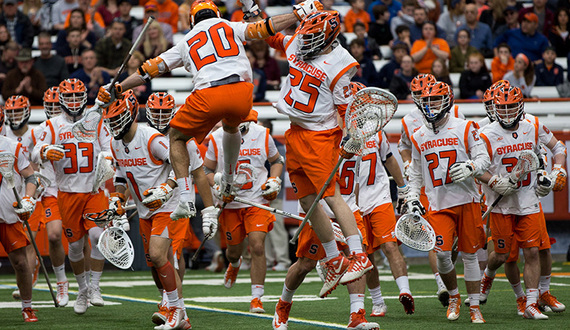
(310, 45)
(73, 103)
(160, 118)
(490, 110)
(52, 109)
(435, 109)
(509, 115)
(17, 117)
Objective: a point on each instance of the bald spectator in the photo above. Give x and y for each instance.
(545, 16)
(8, 60)
(481, 36)
(25, 79)
(112, 50)
(167, 13)
(526, 40)
(59, 13)
(53, 67)
(91, 75)
(19, 25)
(150, 9)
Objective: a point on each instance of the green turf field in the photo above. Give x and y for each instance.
(131, 299)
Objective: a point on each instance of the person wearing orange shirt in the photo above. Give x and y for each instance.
(167, 12)
(93, 19)
(356, 14)
(502, 63)
(426, 50)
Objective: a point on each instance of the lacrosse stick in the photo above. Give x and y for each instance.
(245, 174)
(104, 170)
(7, 171)
(116, 246)
(370, 110)
(528, 162)
(414, 231)
(103, 218)
(85, 129)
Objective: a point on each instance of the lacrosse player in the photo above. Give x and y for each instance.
(213, 51)
(447, 154)
(74, 165)
(12, 235)
(518, 220)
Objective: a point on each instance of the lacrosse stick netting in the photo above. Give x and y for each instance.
(85, 130)
(104, 170)
(415, 232)
(7, 168)
(116, 246)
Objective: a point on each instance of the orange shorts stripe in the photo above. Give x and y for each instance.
(37, 217)
(311, 157)
(13, 236)
(51, 209)
(236, 224)
(380, 224)
(72, 207)
(521, 230)
(463, 220)
(206, 107)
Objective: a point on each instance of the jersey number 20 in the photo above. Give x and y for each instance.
(222, 48)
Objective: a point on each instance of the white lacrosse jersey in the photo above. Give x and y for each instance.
(314, 88)
(257, 146)
(483, 122)
(46, 168)
(143, 164)
(373, 182)
(412, 122)
(75, 172)
(7, 212)
(211, 51)
(435, 153)
(504, 147)
(26, 140)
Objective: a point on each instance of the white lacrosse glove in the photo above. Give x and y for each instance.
(157, 196)
(230, 192)
(122, 222)
(502, 186)
(53, 152)
(402, 193)
(406, 170)
(413, 204)
(250, 9)
(185, 208)
(116, 203)
(544, 184)
(349, 146)
(271, 188)
(306, 7)
(558, 176)
(461, 171)
(26, 207)
(210, 221)
(338, 235)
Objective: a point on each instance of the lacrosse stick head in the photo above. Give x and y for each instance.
(51, 102)
(102, 219)
(17, 111)
(104, 170)
(85, 130)
(509, 106)
(160, 108)
(43, 183)
(414, 231)
(7, 168)
(116, 246)
(418, 84)
(245, 174)
(527, 162)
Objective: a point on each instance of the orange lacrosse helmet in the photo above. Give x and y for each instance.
(51, 102)
(203, 9)
(316, 33)
(160, 110)
(120, 115)
(436, 101)
(355, 86)
(418, 84)
(509, 106)
(489, 96)
(72, 97)
(17, 109)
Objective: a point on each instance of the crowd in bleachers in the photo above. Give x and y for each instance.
(469, 44)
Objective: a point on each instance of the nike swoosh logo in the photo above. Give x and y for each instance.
(253, 139)
(338, 268)
(525, 132)
(137, 148)
(325, 62)
(162, 275)
(14, 243)
(258, 225)
(384, 236)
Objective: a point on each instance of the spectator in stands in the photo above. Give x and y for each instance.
(31, 9)
(108, 9)
(549, 73)
(545, 16)
(387, 72)
(372, 48)
(450, 20)
(379, 30)
(426, 50)
(459, 53)
(167, 13)
(25, 79)
(559, 35)
(44, 16)
(403, 36)
(91, 75)
(522, 75)
(494, 16)
(440, 71)
(19, 25)
(142, 92)
(77, 21)
(150, 9)
(525, 40)
(130, 22)
(8, 60)
(93, 19)
(400, 84)
(59, 13)
(481, 36)
(481, 6)
(5, 36)
(502, 63)
(265, 62)
(356, 13)
(71, 51)
(366, 74)
(112, 50)
(405, 16)
(476, 79)
(258, 79)
(154, 43)
(511, 21)
(184, 16)
(394, 7)
(433, 8)
(53, 67)
(420, 17)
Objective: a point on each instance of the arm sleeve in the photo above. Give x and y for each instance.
(544, 134)
(405, 143)
(239, 29)
(22, 157)
(159, 147)
(341, 90)
(272, 148)
(105, 138)
(415, 172)
(211, 153)
(43, 139)
(384, 148)
(477, 150)
(172, 57)
(194, 154)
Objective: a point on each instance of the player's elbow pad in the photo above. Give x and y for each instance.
(559, 149)
(152, 68)
(260, 29)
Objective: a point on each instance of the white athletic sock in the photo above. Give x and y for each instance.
(376, 294)
(172, 297)
(81, 281)
(403, 284)
(356, 302)
(453, 292)
(231, 144)
(26, 304)
(354, 243)
(439, 281)
(287, 294)
(517, 288)
(60, 273)
(490, 273)
(473, 299)
(236, 264)
(544, 284)
(331, 250)
(95, 278)
(531, 296)
(257, 291)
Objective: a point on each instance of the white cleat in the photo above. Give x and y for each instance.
(95, 296)
(62, 296)
(532, 312)
(176, 319)
(81, 303)
(379, 310)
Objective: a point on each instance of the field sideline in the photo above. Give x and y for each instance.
(131, 299)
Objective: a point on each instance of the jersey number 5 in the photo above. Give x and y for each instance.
(433, 160)
(307, 84)
(223, 48)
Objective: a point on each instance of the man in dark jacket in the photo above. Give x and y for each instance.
(19, 25)
(549, 73)
(25, 80)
